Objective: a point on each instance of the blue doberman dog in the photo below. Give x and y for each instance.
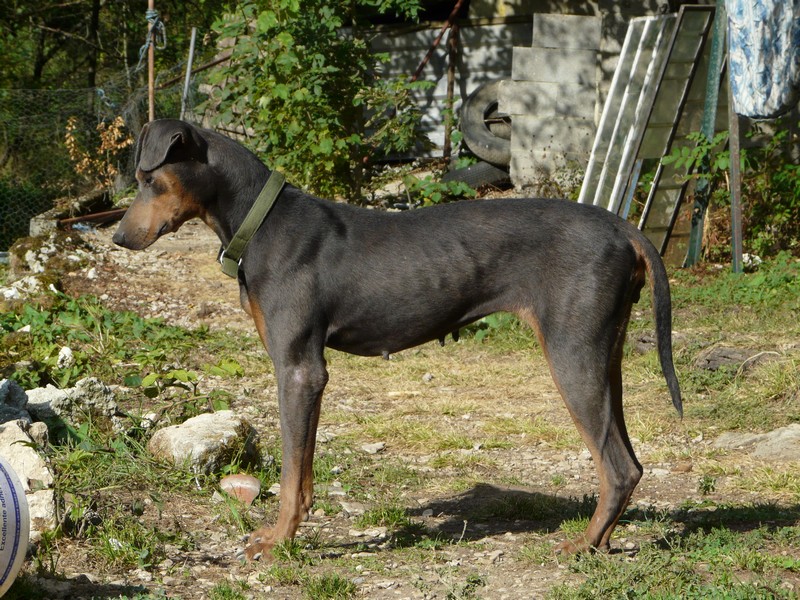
(318, 273)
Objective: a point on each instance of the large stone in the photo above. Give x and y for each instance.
(12, 394)
(27, 287)
(717, 357)
(780, 444)
(90, 398)
(32, 470)
(206, 443)
(13, 401)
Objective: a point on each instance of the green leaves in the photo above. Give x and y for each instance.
(428, 191)
(307, 87)
(99, 338)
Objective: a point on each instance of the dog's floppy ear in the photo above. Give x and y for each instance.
(139, 144)
(168, 139)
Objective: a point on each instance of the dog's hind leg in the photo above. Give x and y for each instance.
(594, 399)
(588, 375)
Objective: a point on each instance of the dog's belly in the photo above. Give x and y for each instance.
(375, 335)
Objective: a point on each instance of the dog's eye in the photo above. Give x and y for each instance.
(148, 180)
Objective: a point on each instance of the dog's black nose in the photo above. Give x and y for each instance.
(119, 238)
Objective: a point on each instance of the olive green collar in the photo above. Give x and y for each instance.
(231, 257)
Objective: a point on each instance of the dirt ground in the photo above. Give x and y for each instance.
(178, 279)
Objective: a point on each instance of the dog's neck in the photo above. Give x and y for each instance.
(227, 209)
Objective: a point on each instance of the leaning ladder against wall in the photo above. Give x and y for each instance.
(655, 100)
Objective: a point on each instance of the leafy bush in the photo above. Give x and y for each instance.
(304, 82)
(100, 339)
(770, 192)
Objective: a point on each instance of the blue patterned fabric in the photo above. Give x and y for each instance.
(764, 56)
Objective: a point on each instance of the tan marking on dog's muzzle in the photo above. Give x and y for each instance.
(152, 215)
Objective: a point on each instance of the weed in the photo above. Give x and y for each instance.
(283, 574)
(126, 541)
(100, 339)
(538, 552)
(389, 515)
(782, 481)
(707, 485)
(289, 551)
(538, 428)
(410, 433)
(329, 587)
(467, 590)
(226, 591)
(233, 513)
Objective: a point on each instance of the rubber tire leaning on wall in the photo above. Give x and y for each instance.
(477, 175)
(482, 141)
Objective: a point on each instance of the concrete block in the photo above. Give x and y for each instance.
(547, 99)
(566, 31)
(565, 135)
(563, 65)
(548, 174)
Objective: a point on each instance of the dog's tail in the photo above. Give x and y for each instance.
(662, 313)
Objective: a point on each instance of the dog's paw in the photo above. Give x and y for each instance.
(567, 548)
(578, 545)
(258, 545)
(575, 546)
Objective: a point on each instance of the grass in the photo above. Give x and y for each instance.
(469, 458)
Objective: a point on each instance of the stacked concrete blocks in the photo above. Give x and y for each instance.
(553, 101)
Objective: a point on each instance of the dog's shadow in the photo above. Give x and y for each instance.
(486, 510)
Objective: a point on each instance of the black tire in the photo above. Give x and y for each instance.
(478, 175)
(489, 142)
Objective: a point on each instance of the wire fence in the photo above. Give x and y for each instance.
(41, 131)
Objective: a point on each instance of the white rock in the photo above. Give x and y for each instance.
(207, 442)
(780, 444)
(66, 358)
(374, 448)
(89, 397)
(22, 288)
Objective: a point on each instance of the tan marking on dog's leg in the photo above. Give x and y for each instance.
(252, 308)
(262, 540)
(307, 484)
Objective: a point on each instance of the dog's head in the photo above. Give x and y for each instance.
(170, 155)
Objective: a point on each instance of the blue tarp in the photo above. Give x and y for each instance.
(764, 56)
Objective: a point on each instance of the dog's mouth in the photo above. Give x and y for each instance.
(138, 239)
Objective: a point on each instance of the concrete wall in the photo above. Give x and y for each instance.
(489, 37)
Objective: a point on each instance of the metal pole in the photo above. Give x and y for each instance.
(151, 67)
(188, 73)
(703, 189)
(735, 185)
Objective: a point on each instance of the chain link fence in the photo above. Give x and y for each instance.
(37, 171)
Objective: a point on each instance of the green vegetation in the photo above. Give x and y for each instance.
(304, 81)
(457, 443)
(770, 189)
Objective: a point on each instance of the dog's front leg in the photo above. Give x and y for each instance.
(300, 388)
